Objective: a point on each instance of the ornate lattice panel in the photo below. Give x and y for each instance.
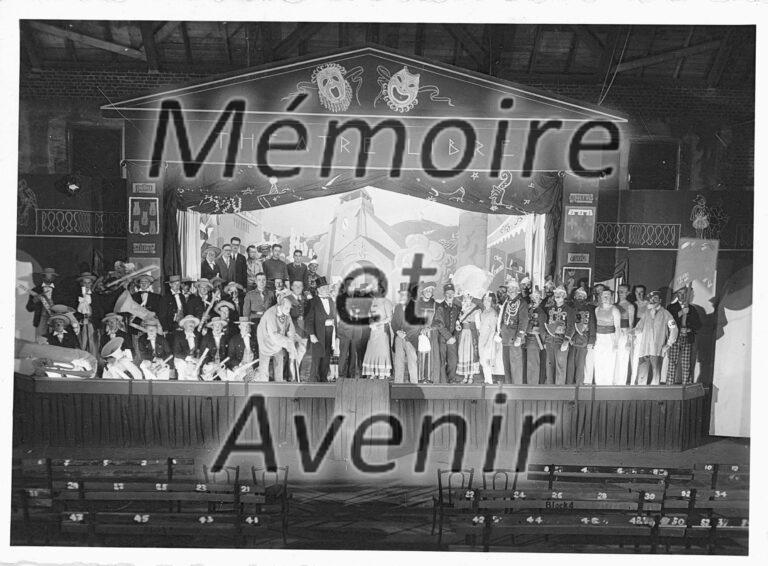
(637, 235)
(63, 222)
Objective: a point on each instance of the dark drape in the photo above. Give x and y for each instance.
(552, 223)
(171, 248)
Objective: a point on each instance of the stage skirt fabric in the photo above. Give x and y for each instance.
(377, 361)
(469, 362)
(622, 359)
(605, 360)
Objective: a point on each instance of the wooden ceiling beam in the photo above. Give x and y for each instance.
(572, 52)
(225, 38)
(165, 31)
(372, 33)
(720, 60)
(251, 35)
(500, 43)
(391, 33)
(187, 44)
(343, 34)
(419, 40)
(585, 36)
(534, 49)
(266, 33)
(30, 47)
(150, 49)
(474, 48)
(691, 31)
(671, 55)
(302, 33)
(88, 40)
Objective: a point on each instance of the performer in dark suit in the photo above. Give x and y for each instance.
(174, 305)
(186, 348)
(146, 297)
(241, 265)
(45, 296)
(58, 335)
(215, 342)
(153, 347)
(241, 351)
(320, 325)
(226, 264)
(446, 315)
(208, 268)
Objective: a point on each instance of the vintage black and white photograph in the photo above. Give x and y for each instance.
(382, 285)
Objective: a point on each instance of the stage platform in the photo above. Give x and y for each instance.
(179, 415)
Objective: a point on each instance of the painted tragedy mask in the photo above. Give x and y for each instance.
(333, 89)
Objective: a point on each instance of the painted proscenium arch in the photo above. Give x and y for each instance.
(493, 157)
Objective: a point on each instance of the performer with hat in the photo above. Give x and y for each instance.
(241, 351)
(155, 354)
(174, 304)
(313, 279)
(559, 319)
(511, 329)
(405, 341)
(534, 345)
(446, 314)
(467, 325)
(235, 293)
(214, 343)
(57, 334)
(208, 267)
(42, 298)
(226, 311)
(428, 343)
(118, 365)
(145, 296)
(583, 340)
(186, 348)
(114, 327)
(320, 325)
(608, 318)
(657, 334)
(87, 310)
(276, 335)
(682, 356)
(199, 301)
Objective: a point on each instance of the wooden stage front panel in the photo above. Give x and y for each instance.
(172, 415)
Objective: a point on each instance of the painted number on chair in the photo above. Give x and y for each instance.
(140, 518)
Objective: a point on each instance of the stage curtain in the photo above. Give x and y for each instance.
(189, 243)
(538, 252)
(171, 254)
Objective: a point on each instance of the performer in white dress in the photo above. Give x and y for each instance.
(377, 362)
(626, 336)
(607, 339)
(491, 360)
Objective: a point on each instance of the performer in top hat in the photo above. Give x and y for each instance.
(511, 327)
(174, 304)
(428, 343)
(186, 348)
(241, 351)
(682, 356)
(209, 268)
(446, 314)
(558, 332)
(42, 298)
(114, 327)
(118, 364)
(154, 351)
(320, 325)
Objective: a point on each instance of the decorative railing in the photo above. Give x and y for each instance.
(61, 222)
(637, 235)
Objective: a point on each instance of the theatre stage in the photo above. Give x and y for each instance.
(179, 415)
